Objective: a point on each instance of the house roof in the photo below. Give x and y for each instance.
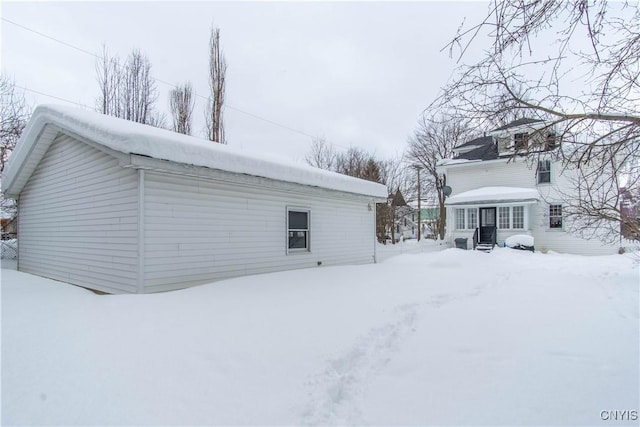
(483, 140)
(494, 195)
(487, 151)
(516, 123)
(128, 137)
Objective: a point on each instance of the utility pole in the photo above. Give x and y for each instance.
(418, 167)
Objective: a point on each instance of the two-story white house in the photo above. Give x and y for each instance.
(496, 193)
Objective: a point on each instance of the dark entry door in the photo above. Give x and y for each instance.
(487, 224)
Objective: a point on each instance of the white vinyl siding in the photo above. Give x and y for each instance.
(78, 219)
(199, 230)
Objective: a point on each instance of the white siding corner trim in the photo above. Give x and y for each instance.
(140, 231)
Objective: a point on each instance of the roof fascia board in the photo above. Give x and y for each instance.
(22, 156)
(166, 166)
(493, 202)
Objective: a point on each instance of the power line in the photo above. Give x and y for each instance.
(51, 38)
(50, 96)
(255, 116)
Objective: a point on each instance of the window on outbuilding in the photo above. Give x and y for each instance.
(298, 229)
(544, 171)
(555, 216)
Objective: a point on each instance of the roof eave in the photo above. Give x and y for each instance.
(493, 202)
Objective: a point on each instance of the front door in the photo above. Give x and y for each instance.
(487, 224)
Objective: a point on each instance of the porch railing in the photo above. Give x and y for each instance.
(493, 237)
(475, 238)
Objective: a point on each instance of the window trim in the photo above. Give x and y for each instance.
(513, 217)
(469, 226)
(561, 216)
(307, 247)
(501, 217)
(458, 217)
(545, 171)
(520, 141)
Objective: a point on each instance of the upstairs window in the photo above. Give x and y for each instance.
(544, 171)
(298, 230)
(550, 141)
(555, 216)
(520, 141)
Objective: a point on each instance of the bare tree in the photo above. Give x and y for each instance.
(127, 90)
(395, 173)
(14, 114)
(321, 155)
(585, 85)
(217, 84)
(432, 141)
(181, 103)
(361, 164)
(109, 73)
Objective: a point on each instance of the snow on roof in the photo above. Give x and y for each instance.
(486, 195)
(516, 123)
(446, 162)
(134, 138)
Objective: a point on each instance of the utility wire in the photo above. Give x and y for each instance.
(50, 96)
(255, 116)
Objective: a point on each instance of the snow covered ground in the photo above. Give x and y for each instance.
(450, 338)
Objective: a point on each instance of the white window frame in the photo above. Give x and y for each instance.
(561, 216)
(508, 217)
(520, 141)
(464, 218)
(513, 217)
(307, 230)
(468, 211)
(544, 170)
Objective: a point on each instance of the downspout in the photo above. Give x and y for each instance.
(18, 231)
(375, 231)
(141, 215)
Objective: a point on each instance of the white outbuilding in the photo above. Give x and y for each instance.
(121, 207)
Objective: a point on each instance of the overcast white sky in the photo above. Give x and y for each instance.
(358, 73)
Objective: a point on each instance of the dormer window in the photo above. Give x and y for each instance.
(550, 141)
(520, 141)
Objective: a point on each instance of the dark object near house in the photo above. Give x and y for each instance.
(523, 247)
(461, 243)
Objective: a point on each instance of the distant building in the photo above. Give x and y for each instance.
(498, 193)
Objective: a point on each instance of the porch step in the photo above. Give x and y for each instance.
(484, 247)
